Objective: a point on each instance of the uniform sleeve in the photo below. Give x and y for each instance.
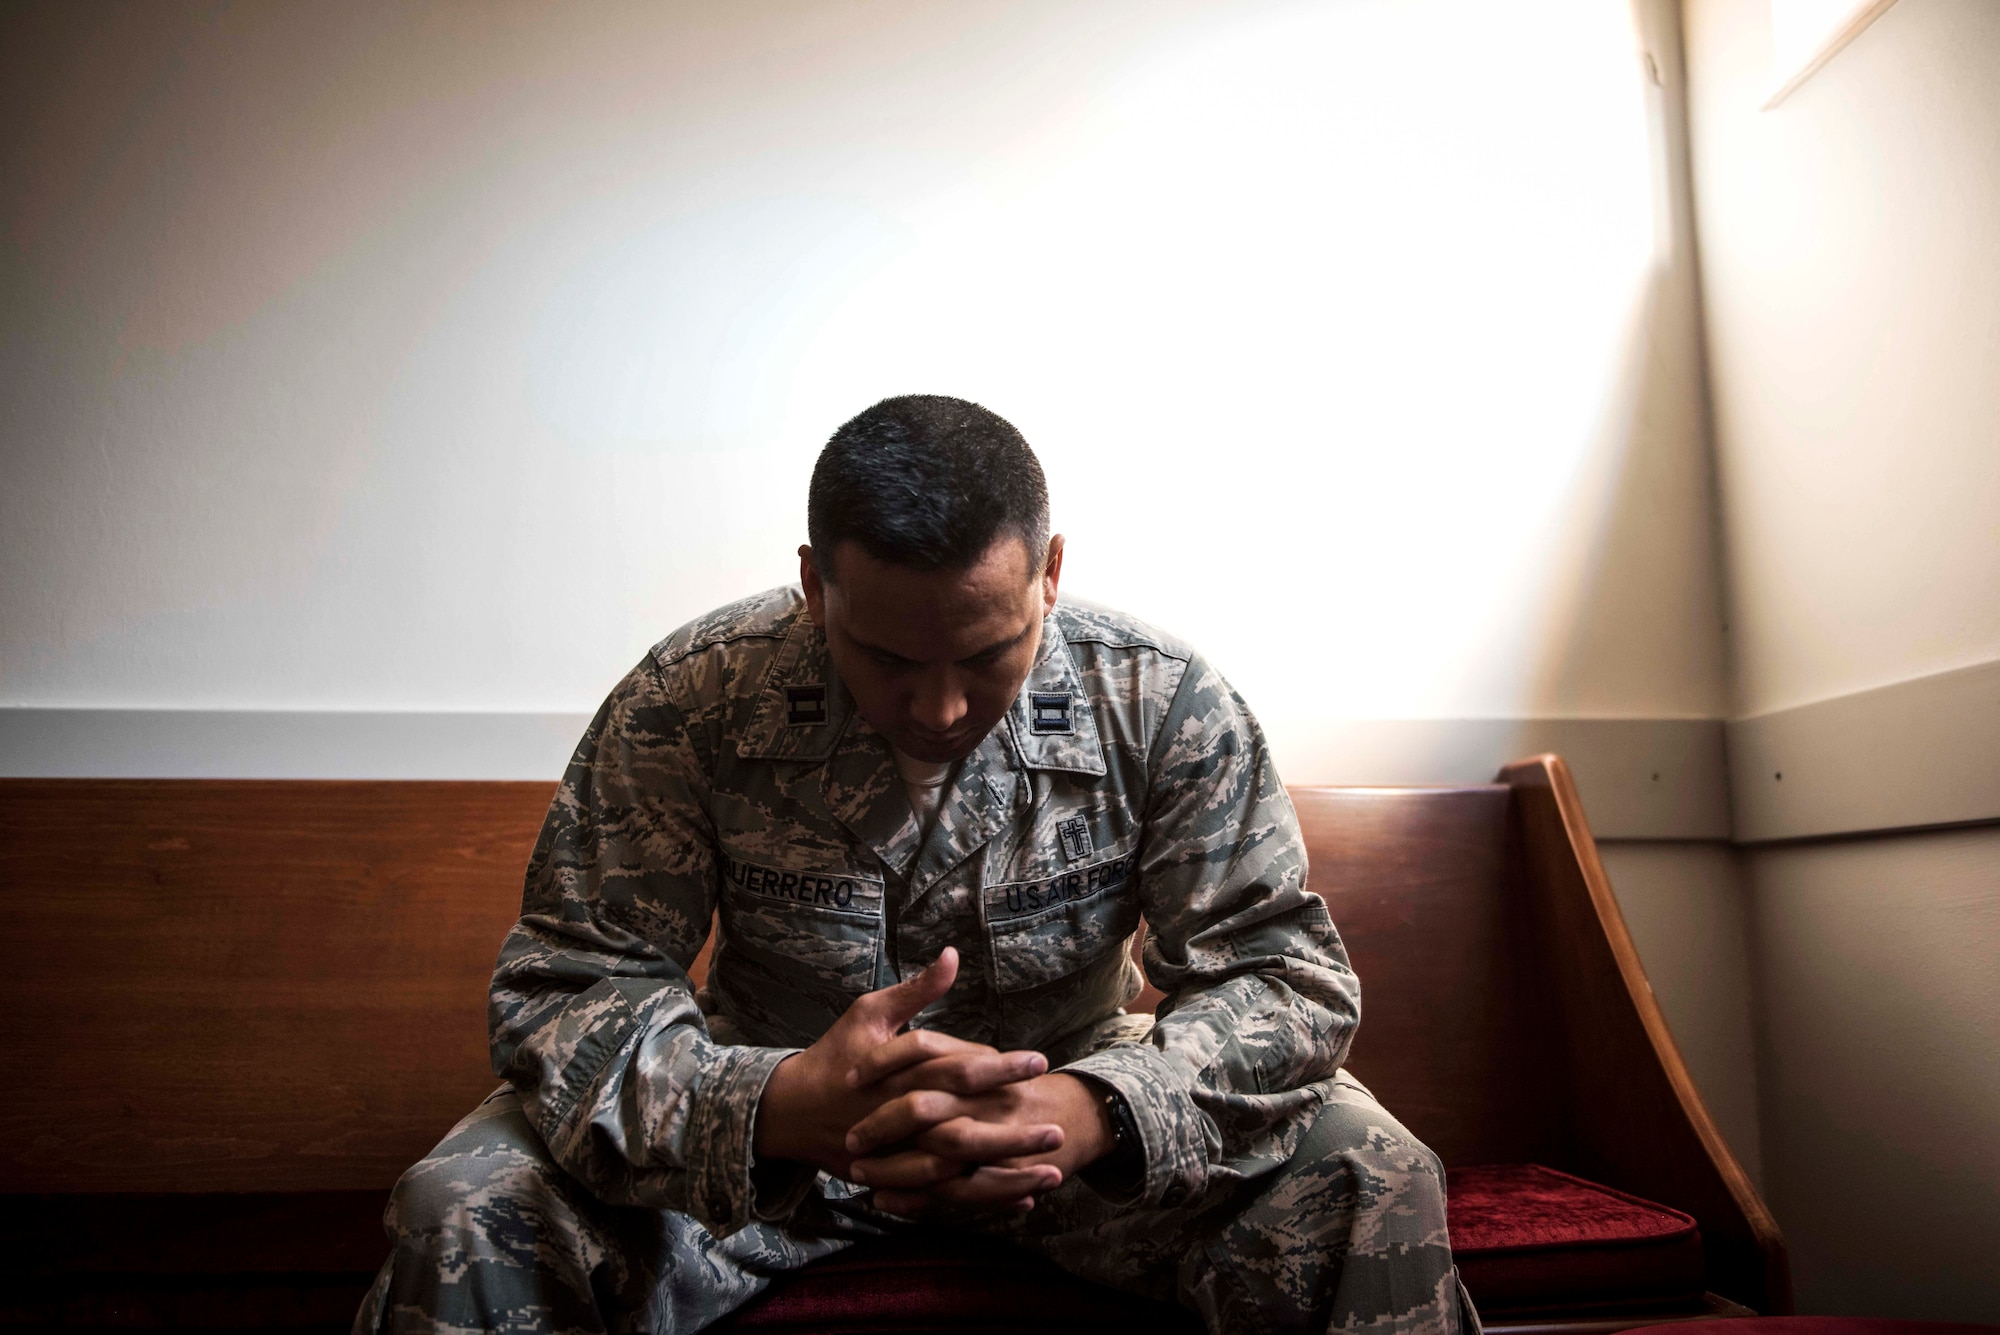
(592, 1014)
(1260, 1003)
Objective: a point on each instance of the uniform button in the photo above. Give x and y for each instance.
(1175, 1195)
(718, 1205)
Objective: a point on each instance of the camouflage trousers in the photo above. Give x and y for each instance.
(488, 1234)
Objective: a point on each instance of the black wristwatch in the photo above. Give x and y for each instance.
(1122, 1170)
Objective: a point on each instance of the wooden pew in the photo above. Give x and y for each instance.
(1506, 1017)
(240, 1009)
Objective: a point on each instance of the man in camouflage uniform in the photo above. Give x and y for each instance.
(927, 805)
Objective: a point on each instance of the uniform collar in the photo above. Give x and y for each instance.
(1049, 727)
(1052, 723)
(803, 709)
(805, 714)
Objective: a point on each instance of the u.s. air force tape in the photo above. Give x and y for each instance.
(1022, 897)
(780, 887)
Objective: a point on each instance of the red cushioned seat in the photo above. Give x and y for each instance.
(1529, 1237)
(949, 1284)
(1525, 1238)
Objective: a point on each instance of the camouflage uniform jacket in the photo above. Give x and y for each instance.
(730, 773)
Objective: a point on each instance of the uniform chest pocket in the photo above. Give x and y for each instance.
(827, 923)
(1048, 929)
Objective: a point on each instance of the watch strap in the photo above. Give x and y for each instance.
(1122, 1170)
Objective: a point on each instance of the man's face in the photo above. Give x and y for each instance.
(933, 658)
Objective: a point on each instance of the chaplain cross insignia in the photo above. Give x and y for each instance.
(1074, 835)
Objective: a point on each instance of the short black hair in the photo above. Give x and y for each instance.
(927, 482)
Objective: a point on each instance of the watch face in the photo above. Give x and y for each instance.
(1123, 1130)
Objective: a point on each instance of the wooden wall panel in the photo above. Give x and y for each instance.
(248, 986)
(279, 986)
(1454, 1037)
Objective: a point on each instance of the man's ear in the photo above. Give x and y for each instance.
(815, 588)
(1052, 573)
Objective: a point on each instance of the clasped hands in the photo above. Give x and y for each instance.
(924, 1118)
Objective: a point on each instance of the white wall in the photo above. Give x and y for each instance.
(1851, 259)
(1879, 991)
(1850, 250)
(1685, 906)
(369, 356)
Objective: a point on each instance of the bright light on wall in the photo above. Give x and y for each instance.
(1313, 315)
(1322, 316)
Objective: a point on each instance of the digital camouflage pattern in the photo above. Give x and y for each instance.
(1348, 1235)
(490, 1234)
(729, 776)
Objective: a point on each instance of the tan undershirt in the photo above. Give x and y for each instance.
(925, 782)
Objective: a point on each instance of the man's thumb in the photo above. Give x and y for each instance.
(902, 1002)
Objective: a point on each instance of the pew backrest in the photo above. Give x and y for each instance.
(252, 986)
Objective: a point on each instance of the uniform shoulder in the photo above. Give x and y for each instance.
(766, 616)
(1091, 623)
